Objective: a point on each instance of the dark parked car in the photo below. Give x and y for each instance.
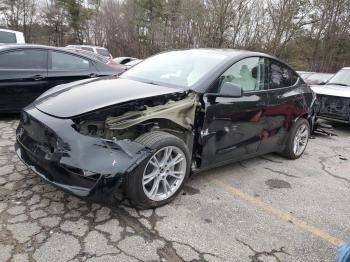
(173, 114)
(26, 71)
(333, 98)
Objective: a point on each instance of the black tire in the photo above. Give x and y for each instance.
(134, 187)
(289, 152)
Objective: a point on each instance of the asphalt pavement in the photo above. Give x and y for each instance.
(264, 209)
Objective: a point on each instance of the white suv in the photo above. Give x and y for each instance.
(11, 37)
(95, 49)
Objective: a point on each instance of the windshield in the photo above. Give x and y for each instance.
(179, 68)
(103, 51)
(341, 78)
(7, 37)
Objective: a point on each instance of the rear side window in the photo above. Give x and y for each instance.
(24, 59)
(103, 51)
(281, 76)
(68, 62)
(87, 49)
(7, 37)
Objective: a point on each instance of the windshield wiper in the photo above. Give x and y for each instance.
(338, 84)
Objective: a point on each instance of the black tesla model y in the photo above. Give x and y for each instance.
(175, 113)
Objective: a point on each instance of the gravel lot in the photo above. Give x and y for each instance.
(264, 209)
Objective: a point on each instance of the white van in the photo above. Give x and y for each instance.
(11, 37)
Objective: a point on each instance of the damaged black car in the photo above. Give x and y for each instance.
(176, 113)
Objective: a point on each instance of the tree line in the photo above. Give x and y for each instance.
(311, 35)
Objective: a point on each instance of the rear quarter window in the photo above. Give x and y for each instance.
(87, 49)
(64, 62)
(102, 51)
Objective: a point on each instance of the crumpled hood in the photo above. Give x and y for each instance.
(84, 96)
(332, 90)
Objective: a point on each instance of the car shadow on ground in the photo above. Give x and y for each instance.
(9, 117)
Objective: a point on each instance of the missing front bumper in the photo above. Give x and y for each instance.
(60, 155)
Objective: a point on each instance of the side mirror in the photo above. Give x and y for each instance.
(231, 89)
(228, 89)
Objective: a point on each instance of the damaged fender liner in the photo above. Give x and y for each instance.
(65, 157)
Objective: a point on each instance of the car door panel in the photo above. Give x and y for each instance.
(20, 81)
(234, 126)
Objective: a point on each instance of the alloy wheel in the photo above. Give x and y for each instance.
(164, 173)
(300, 140)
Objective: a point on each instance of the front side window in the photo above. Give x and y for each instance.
(66, 62)
(250, 74)
(281, 76)
(24, 59)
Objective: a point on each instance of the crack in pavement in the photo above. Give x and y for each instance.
(324, 168)
(259, 254)
(280, 172)
(270, 160)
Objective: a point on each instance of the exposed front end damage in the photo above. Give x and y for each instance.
(90, 155)
(174, 113)
(333, 108)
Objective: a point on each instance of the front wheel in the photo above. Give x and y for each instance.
(298, 139)
(160, 177)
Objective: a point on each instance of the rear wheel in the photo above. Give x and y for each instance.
(161, 176)
(298, 139)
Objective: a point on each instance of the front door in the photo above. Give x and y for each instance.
(23, 77)
(234, 127)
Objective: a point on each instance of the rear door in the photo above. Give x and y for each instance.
(234, 127)
(286, 102)
(23, 77)
(66, 67)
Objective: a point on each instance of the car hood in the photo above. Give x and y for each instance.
(81, 97)
(332, 90)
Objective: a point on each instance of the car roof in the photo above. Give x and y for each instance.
(31, 46)
(92, 46)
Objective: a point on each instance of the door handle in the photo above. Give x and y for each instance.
(38, 77)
